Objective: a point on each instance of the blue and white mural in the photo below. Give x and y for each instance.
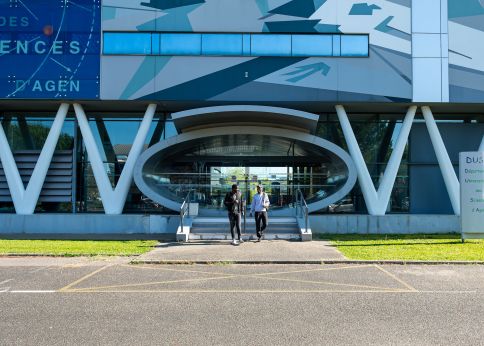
(49, 49)
(466, 50)
(384, 76)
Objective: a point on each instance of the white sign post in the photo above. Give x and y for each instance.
(471, 175)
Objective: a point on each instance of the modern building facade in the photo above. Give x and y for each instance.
(114, 111)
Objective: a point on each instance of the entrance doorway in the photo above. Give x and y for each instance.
(278, 183)
(205, 168)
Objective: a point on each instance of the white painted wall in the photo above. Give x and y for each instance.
(430, 51)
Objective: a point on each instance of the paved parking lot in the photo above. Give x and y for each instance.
(113, 303)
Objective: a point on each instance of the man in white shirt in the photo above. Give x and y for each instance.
(259, 206)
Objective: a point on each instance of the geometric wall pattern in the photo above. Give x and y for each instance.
(466, 50)
(385, 76)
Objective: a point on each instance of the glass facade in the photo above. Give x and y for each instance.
(211, 166)
(26, 135)
(113, 136)
(376, 135)
(233, 44)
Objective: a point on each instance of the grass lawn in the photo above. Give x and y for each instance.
(76, 247)
(419, 247)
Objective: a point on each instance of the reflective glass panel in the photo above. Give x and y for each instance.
(336, 45)
(181, 44)
(127, 43)
(312, 45)
(155, 44)
(354, 45)
(246, 44)
(271, 45)
(221, 44)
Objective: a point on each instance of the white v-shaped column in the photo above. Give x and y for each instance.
(113, 200)
(376, 201)
(448, 172)
(25, 200)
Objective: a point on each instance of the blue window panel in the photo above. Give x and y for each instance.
(246, 44)
(336, 45)
(221, 44)
(312, 45)
(354, 45)
(270, 45)
(155, 44)
(181, 44)
(127, 43)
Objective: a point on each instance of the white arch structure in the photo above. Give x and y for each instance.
(246, 130)
(113, 199)
(25, 199)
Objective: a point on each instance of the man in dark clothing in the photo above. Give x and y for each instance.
(233, 202)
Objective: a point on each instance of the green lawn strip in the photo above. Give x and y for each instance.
(414, 247)
(76, 247)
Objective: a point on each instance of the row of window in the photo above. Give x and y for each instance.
(215, 44)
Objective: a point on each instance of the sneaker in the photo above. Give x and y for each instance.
(234, 242)
(241, 240)
(258, 240)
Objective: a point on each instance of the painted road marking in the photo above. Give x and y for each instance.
(116, 288)
(84, 278)
(270, 291)
(396, 278)
(231, 276)
(4, 289)
(241, 291)
(151, 283)
(33, 291)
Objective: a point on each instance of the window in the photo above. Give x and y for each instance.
(270, 45)
(225, 44)
(221, 44)
(127, 43)
(313, 45)
(354, 45)
(180, 44)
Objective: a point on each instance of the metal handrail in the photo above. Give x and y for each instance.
(300, 206)
(244, 212)
(185, 209)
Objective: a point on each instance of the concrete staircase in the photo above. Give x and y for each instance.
(217, 228)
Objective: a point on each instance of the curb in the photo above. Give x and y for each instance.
(65, 255)
(226, 262)
(138, 261)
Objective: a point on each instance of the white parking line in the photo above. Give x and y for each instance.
(4, 289)
(32, 291)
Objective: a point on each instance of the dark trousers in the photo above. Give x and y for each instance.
(260, 222)
(235, 222)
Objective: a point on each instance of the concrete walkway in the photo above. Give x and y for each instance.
(267, 251)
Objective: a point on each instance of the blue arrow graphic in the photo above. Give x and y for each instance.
(306, 71)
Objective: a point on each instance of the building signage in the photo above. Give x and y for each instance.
(49, 49)
(471, 175)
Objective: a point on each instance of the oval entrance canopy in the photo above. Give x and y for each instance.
(218, 116)
(159, 179)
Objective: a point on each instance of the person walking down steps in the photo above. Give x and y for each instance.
(233, 202)
(260, 205)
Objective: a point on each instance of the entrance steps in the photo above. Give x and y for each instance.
(217, 228)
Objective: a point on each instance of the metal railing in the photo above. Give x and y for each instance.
(244, 212)
(302, 208)
(185, 209)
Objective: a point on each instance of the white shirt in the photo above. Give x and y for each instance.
(259, 202)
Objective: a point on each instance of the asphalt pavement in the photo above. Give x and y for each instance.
(112, 302)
